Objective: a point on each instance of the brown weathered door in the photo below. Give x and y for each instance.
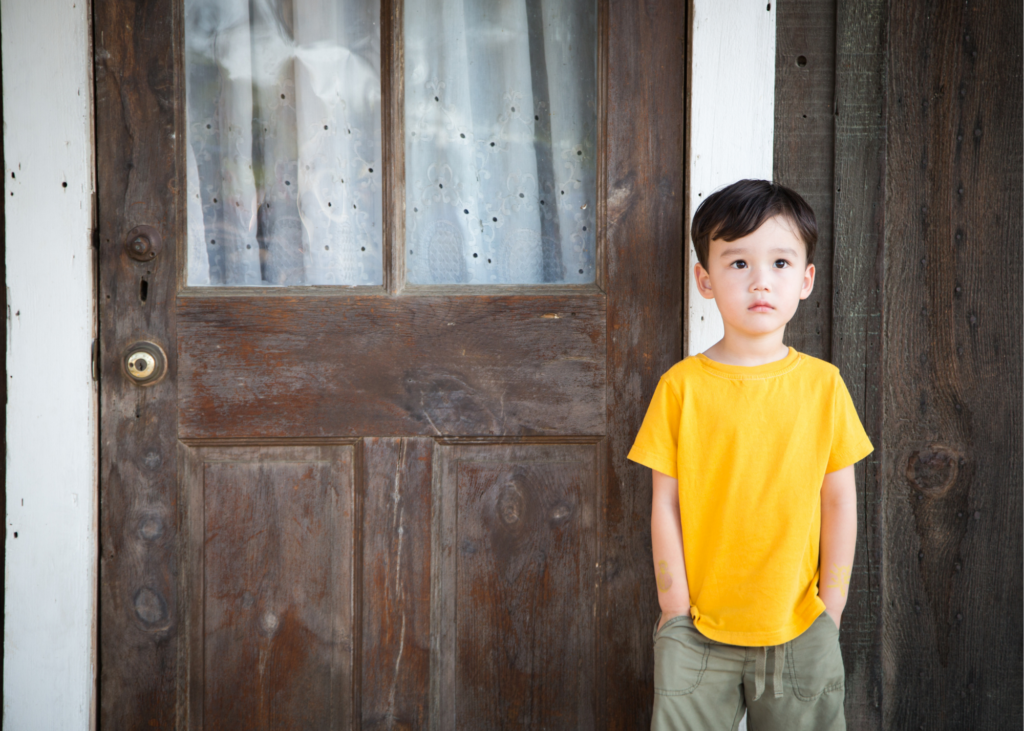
(389, 507)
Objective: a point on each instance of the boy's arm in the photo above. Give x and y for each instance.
(838, 539)
(667, 547)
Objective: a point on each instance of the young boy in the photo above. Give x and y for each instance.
(752, 446)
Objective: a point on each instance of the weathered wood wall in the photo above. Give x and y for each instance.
(804, 131)
(829, 140)
(901, 124)
(951, 367)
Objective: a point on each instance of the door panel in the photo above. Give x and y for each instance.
(516, 548)
(391, 508)
(271, 572)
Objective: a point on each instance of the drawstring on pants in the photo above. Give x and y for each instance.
(761, 662)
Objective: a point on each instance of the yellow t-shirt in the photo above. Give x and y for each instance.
(750, 446)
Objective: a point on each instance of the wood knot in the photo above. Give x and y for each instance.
(269, 622)
(150, 607)
(151, 528)
(560, 513)
(510, 504)
(933, 470)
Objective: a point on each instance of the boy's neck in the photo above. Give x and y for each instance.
(743, 350)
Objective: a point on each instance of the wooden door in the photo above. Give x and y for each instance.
(400, 508)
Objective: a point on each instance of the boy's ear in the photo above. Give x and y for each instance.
(808, 287)
(703, 281)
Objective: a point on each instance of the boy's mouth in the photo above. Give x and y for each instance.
(760, 306)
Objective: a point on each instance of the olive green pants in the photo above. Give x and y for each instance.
(704, 685)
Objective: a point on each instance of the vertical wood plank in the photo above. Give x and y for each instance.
(644, 259)
(397, 478)
(49, 490)
(859, 182)
(135, 145)
(952, 591)
(805, 55)
(732, 85)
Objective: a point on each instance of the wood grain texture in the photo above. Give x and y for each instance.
(644, 260)
(397, 479)
(859, 182)
(276, 577)
(952, 592)
(353, 366)
(805, 56)
(392, 76)
(135, 147)
(514, 616)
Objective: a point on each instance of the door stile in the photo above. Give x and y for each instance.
(135, 149)
(644, 265)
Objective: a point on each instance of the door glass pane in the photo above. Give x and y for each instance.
(500, 141)
(284, 174)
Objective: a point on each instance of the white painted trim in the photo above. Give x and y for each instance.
(732, 121)
(52, 496)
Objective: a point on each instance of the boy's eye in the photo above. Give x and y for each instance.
(781, 263)
(739, 264)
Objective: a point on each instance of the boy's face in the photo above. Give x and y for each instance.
(757, 281)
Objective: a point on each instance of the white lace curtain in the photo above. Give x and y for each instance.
(284, 173)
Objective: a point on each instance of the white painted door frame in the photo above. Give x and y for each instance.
(52, 491)
(51, 470)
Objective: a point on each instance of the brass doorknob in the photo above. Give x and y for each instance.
(144, 363)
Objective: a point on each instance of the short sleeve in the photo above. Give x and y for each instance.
(850, 442)
(657, 441)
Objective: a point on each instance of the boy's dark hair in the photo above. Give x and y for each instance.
(739, 209)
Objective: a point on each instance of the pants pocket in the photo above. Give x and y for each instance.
(814, 660)
(680, 658)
